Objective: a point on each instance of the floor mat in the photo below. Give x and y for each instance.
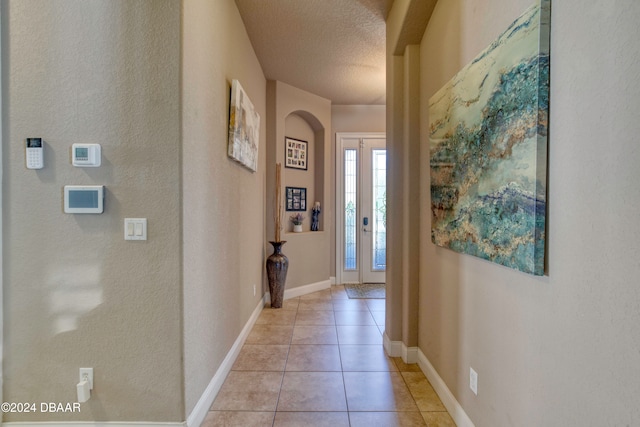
(365, 290)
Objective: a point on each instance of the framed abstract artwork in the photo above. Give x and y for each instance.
(244, 128)
(296, 155)
(488, 149)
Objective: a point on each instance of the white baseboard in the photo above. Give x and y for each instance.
(393, 348)
(303, 290)
(399, 349)
(415, 355)
(409, 354)
(448, 399)
(201, 409)
(92, 424)
(333, 280)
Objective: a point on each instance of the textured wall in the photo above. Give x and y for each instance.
(76, 294)
(224, 217)
(562, 349)
(297, 127)
(308, 253)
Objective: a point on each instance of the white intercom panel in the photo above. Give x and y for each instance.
(34, 153)
(84, 199)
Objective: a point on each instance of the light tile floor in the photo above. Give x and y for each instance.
(318, 362)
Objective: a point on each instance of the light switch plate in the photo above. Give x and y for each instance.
(135, 229)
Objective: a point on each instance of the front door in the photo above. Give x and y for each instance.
(361, 217)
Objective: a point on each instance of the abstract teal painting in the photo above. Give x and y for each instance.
(488, 149)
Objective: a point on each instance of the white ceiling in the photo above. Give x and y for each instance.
(331, 48)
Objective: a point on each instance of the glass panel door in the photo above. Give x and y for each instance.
(361, 221)
(350, 210)
(373, 197)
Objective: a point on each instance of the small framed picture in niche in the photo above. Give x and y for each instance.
(296, 198)
(296, 154)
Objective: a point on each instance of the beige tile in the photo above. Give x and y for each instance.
(422, 392)
(403, 367)
(270, 334)
(314, 358)
(238, 418)
(324, 294)
(288, 304)
(386, 419)
(359, 358)
(315, 305)
(261, 358)
(359, 334)
(276, 316)
(312, 391)
(350, 305)
(438, 419)
(354, 318)
(314, 335)
(338, 292)
(315, 419)
(376, 304)
(379, 317)
(249, 391)
(378, 392)
(315, 317)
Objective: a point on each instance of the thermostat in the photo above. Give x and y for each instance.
(86, 155)
(84, 199)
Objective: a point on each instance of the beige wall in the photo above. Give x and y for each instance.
(77, 294)
(298, 128)
(563, 349)
(223, 202)
(308, 252)
(154, 319)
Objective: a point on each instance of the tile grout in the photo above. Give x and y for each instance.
(340, 347)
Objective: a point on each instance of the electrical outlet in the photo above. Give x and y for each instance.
(473, 381)
(87, 374)
(254, 290)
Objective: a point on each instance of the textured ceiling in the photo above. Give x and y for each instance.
(332, 48)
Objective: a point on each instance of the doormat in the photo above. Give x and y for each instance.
(365, 290)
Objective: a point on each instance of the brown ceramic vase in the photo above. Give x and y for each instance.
(277, 265)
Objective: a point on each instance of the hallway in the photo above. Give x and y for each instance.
(319, 361)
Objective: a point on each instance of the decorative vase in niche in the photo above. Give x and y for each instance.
(277, 265)
(297, 228)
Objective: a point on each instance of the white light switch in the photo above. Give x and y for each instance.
(135, 229)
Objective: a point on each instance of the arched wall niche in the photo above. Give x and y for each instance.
(294, 113)
(303, 126)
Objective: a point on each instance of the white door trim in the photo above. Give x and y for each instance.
(339, 193)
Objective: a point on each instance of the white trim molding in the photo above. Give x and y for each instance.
(399, 349)
(448, 399)
(302, 290)
(201, 409)
(393, 348)
(415, 355)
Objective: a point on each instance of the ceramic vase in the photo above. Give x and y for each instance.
(277, 265)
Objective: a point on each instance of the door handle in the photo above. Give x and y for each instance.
(365, 222)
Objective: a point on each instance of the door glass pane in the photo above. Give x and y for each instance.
(379, 229)
(350, 209)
